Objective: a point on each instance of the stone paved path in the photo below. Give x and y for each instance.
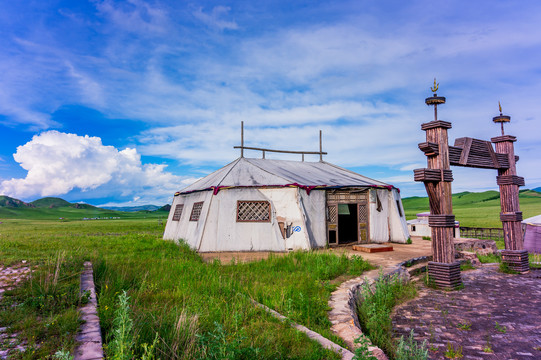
(494, 311)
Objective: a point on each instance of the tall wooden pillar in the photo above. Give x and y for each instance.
(511, 216)
(444, 271)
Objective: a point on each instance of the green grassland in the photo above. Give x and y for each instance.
(196, 310)
(477, 209)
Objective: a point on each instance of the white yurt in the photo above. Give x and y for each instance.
(280, 205)
(532, 234)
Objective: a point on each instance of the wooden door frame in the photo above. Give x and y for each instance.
(357, 202)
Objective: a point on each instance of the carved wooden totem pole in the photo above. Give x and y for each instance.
(444, 270)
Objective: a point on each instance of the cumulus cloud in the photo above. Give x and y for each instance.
(58, 163)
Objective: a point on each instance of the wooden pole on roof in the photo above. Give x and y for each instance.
(320, 148)
(242, 139)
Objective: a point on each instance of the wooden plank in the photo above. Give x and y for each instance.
(492, 154)
(465, 151)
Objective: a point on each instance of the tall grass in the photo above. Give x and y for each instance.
(375, 306)
(42, 311)
(196, 309)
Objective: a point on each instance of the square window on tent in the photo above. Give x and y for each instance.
(178, 212)
(253, 211)
(196, 211)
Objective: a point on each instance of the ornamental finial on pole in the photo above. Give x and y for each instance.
(435, 99)
(502, 118)
(435, 87)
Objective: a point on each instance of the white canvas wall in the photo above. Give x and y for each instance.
(224, 233)
(397, 219)
(314, 208)
(379, 224)
(185, 229)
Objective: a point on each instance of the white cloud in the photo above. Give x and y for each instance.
(215, 18)
(134, 16)
(58, 163)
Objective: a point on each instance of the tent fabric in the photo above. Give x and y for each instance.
(534, 221)
(532, 234)
(298, 218)
(247, 172)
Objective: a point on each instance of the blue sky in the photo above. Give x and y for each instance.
(112, 102)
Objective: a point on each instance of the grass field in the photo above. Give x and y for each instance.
(477, 209)
(194, 309)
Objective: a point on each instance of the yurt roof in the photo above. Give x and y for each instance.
(247, 172)
(535, 220)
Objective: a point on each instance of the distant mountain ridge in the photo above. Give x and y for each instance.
(57, 208)
(6, 201)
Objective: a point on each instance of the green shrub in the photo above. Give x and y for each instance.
(489, 258)
(409, 349)
(375, 305)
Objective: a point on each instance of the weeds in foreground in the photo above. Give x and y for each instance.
(453, 352)
(375, 305)
(62, 355)
(467, 265)
(500, 328)
(121, 346)
(506, 269)
(42, 310)
(488, 348)
(219, 345)
(535, 260)
(362, 352)
(489, 258)
(409, 349)
(465, 325)
(427, 238)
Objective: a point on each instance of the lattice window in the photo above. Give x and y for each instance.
(196, 211)
(363, 214)
(333, 213)
(253, 211)
(178, 212)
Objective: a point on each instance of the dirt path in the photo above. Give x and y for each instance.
(495, 316)
(400, 253)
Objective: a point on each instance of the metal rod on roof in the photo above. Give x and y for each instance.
(263, 154)
(320, 148)
(302, 156)
(280, 151)
(242, 139)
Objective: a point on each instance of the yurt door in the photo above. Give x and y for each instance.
(363, 222)
(332, 223)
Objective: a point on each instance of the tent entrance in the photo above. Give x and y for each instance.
(347, 216)
(347, 223)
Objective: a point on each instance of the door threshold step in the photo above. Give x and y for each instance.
(372, 248)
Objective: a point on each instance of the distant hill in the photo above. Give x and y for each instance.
(538, 189)
(477, 209)
(132, 208)
(50, 202)
(166, 208)
(7, 201)
(57, 208)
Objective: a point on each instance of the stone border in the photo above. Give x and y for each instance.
(343, 303)
(89, 337)
(326, 343)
